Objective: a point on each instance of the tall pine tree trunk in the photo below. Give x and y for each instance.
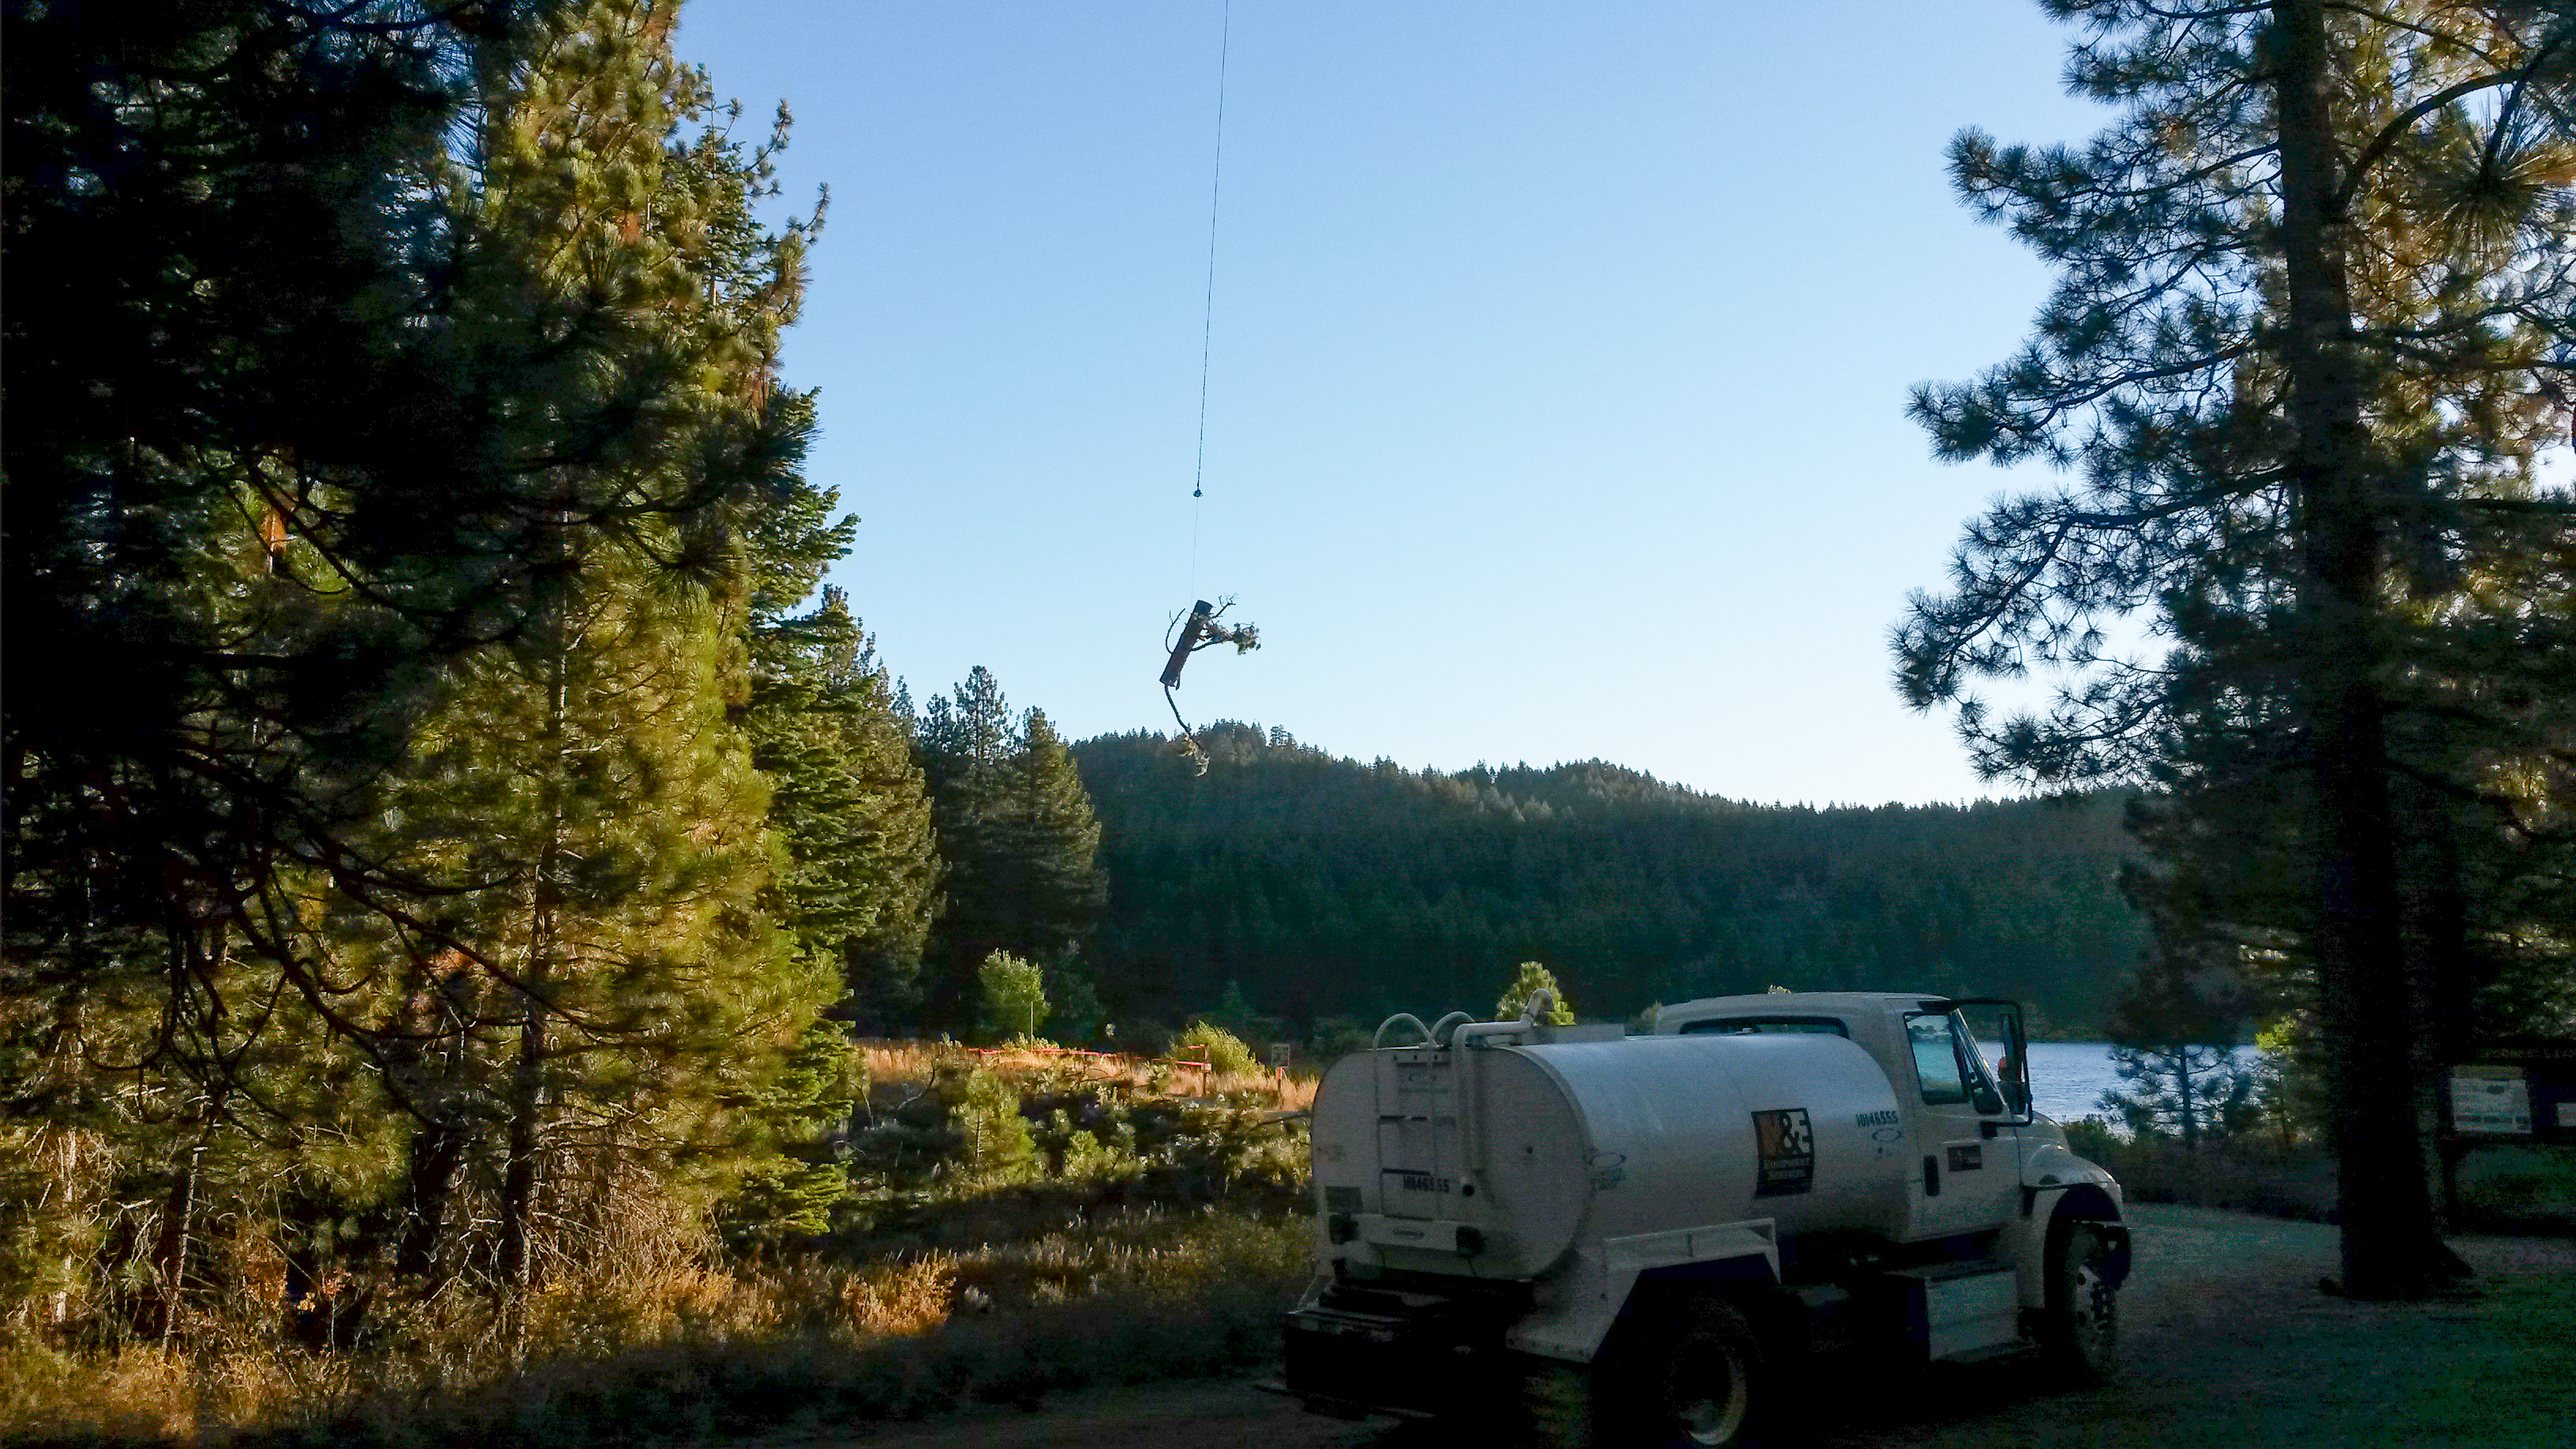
(2188, 1092)
(174, 1248)
(171, 1251)
(436, 1153)
(2442, 978)
(438, 1148)
(526, 1144)
(2364, 996)
(526, 1139)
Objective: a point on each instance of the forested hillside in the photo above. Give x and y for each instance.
(1327, 887)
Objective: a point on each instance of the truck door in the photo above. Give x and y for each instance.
(1968, 1174)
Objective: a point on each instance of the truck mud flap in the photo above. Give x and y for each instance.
(2117, 1236)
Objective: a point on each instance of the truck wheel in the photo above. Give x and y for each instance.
(2080, 1328)
(1709, 1393)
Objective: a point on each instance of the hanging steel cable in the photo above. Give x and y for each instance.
(1207, 309)
(1201, 629)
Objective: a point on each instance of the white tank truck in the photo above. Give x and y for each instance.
(1631, 1238)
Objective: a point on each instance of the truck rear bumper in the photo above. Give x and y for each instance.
(1340, 1361)
(1343, 1361)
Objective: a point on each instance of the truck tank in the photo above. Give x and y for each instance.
(1494, 1161)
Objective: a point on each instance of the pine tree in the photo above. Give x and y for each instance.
(593, 770)
(1234, 1014)
(1076, 1012)
(2312, 284)
(655, 1023)
(966, 742)
(278, 406)
(265, 479)
(1056, 837)
(1010, 997)
(2174, 1033)
(441, 485)
(1018, 835)
(1528, 980)
(851, 804)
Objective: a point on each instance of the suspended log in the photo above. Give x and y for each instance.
(1202, 623)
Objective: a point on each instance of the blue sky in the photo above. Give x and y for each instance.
(1556, 406)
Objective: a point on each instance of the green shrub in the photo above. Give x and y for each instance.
(1530, 979)
(2240, 1175)
(1011, 997)
(2519, 1188)
(2092, 1138)
(1225, 1052)
(992, 1139)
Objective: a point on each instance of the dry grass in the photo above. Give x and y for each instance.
(1022, 1289)
(900, 1299)
(915, 1061)
(702, 1351)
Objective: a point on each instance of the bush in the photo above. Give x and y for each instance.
(1011, 995)
(2237, 1174)
(1226, 1054)
(1529, 980)
(2519, 1189)
(993, 1139)
(2092, 1138)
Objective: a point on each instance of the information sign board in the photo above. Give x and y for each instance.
(2489, 1100)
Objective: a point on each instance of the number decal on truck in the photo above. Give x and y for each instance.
(1785, 1144)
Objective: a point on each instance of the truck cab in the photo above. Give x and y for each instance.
(1961, 1073)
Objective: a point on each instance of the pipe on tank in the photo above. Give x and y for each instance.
(1540, 1002)
(1470, 1160)
(1404, 1018)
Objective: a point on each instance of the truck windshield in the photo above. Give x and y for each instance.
(1753, 1025)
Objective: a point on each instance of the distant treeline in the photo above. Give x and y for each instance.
(1326, 887)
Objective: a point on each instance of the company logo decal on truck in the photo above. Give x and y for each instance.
(1785, 1144)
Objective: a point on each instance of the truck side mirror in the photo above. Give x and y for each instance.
(2000, 1022)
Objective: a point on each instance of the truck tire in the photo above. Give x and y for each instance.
(1705, 1388)
(2080, 1327)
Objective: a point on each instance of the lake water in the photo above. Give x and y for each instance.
(2068, 1078)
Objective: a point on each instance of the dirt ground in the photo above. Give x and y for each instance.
(2227, 1343)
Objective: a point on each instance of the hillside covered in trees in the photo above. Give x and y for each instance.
(1325, 887)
